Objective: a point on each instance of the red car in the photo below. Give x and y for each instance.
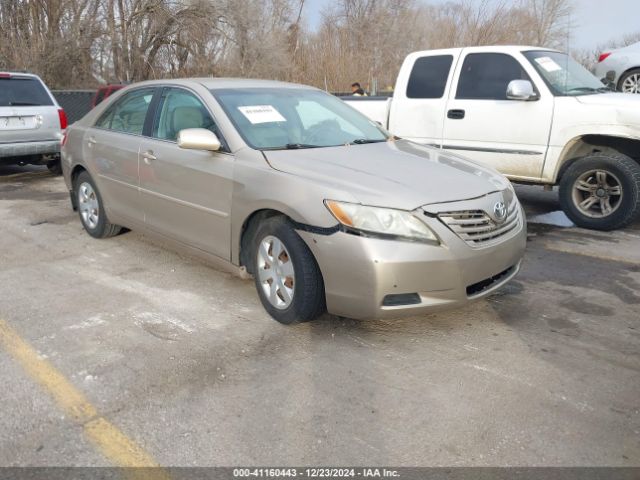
(104, 92)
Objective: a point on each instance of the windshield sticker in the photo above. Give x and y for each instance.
(548, 64)
(261, 114)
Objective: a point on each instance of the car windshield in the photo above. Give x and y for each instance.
(291, 118)
(22, 92)
(563, 75)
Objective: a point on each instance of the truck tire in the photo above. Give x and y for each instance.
(287, 276)
(601, 191)
(630, 81)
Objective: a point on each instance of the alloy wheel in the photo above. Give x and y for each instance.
(631, 84)
(597, 193)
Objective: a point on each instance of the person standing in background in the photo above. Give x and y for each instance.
(357, 91)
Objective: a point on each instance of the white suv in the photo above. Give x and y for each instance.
(31, 122)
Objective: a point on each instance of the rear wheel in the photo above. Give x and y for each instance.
(630, 81)
(55, 167)
(601, 191)
(286, 274)
(91, 210)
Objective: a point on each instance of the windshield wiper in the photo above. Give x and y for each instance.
(360, 141)
(296, 146)
(589, 89)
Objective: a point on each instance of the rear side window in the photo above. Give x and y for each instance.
(485, 76)
(428, 78)
(23, 92)
(128, 114)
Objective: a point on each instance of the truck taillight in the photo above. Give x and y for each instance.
(603, 57)
(63, 118)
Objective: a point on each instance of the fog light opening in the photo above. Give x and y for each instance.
(397, 300)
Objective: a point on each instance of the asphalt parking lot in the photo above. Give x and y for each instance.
(182, 361)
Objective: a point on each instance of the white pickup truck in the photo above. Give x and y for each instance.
(534, 114)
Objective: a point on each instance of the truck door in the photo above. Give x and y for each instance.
(417, 111)
(482, 124)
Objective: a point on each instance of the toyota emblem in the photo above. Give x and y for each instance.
(500, 211)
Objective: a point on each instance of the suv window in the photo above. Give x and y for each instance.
(23, 91)
(485, 76)
(128, 113)
(428, 78)
(180, 109)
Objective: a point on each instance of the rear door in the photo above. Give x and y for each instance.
(111, 149)
(482, 124)
(419, 102)
(28, 112)
(186, 194)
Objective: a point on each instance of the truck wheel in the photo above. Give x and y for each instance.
(601, 191)
(286, 274)
(91, 210)
(630, 81)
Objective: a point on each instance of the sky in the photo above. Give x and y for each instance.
(594, 21)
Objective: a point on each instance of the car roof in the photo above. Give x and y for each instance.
(223, 83)
(485, 48)
(20, 74)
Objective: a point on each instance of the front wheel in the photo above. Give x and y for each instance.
(286, 274)
(91, 210)
(601, 191)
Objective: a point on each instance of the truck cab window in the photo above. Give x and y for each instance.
(485, 76)
(429, 77)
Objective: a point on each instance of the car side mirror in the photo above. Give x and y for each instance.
(521, 90)
(198, 139)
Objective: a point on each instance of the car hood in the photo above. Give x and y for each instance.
(625, 106)
(612, 99)
(395, 174)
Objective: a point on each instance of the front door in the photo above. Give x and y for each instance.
(482, 124)
(186, 194)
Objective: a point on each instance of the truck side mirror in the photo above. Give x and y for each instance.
(521, 90)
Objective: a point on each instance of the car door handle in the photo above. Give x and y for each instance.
(455, 114)
(91, 142)
(149, 157)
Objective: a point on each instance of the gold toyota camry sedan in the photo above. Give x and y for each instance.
(323, 207)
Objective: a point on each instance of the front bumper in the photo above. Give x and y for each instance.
(23, 149)
(360, 272)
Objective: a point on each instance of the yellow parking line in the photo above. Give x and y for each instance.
(111, 442)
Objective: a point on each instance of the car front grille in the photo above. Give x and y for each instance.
(478, 229)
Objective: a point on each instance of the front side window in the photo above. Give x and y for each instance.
(486, 76)
(128, 113)
(563, 74)
(180, 109)
(279, 118)
(429, 76)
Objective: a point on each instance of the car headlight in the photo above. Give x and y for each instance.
(381, 221)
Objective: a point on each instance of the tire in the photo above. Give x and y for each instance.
(300, 296)
(55, 167)
(630, 81)
(588, 191)
(91, 208)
